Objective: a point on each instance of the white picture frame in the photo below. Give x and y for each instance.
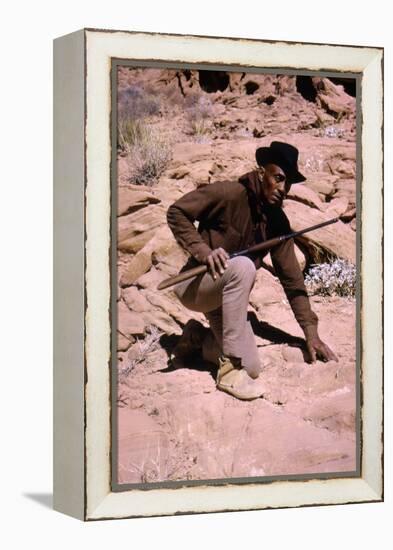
(82, 334)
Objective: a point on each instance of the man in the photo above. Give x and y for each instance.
(233, 216)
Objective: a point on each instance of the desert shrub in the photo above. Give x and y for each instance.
(314, 163)
(148, 153)
(333, 132)
(199, 111)
(148, 156)
(337, 278)
(134, 102)
(134, 106)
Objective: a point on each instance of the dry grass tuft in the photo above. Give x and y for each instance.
(147, 345)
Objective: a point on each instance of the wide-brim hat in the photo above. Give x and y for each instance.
(283, 155)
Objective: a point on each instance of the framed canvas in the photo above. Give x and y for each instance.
(140, 121)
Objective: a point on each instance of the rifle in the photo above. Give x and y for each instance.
(255, 248)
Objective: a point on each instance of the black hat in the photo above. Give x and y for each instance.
(285, 156)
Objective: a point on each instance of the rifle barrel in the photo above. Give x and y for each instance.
(185, 275)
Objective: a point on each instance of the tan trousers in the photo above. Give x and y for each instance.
(224, 302)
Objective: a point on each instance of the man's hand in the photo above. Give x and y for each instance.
(217, 262)
(318, 349)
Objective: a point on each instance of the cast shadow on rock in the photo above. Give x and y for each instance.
(260, 328)
(168, 343)
(276, 335)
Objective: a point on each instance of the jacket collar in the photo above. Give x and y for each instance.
(251, 182)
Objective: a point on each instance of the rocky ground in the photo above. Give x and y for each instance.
(173, 423)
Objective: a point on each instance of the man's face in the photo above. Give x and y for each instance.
(274, 185)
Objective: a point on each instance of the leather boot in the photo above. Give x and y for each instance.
(233, 379)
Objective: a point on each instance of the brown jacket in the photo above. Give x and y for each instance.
(231, 216)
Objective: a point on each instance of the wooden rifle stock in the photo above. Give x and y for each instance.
(185, 275)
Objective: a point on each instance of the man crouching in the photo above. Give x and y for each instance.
(233, 216)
